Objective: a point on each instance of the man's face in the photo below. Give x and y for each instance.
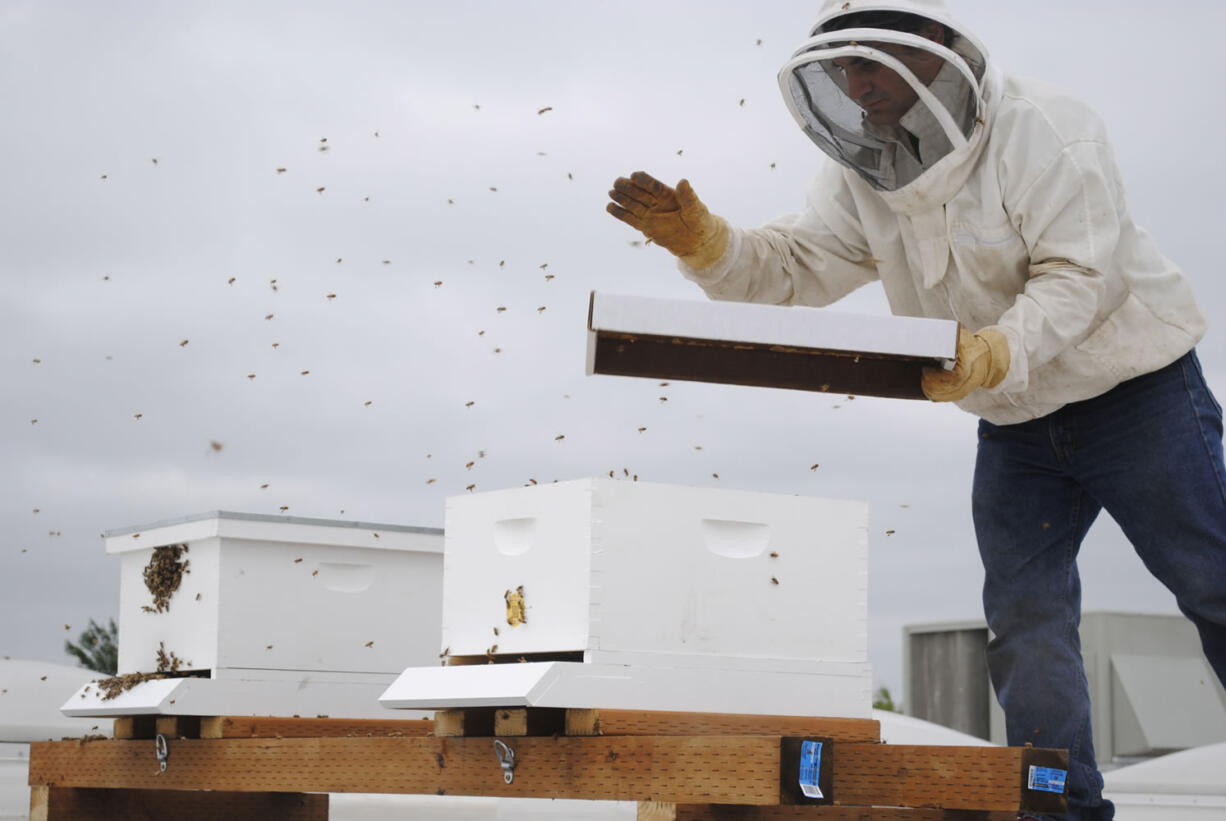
(880, 91)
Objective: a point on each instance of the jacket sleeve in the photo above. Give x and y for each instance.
(1069, 212)
(812, 257)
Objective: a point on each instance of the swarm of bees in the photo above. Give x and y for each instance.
(163, 575)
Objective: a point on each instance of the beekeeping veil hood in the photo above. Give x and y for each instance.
(916, 154)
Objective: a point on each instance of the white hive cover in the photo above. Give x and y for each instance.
(1199, 771)
(31, 693)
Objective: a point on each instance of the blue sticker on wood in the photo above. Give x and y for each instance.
(810, 766)
(1046, 779)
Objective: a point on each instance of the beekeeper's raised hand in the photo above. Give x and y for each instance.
(672, 217)
(982, 361)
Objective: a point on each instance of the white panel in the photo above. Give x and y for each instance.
(792, 326)
(838, 690)
(306, 696)
(537, 538)
(188, 628)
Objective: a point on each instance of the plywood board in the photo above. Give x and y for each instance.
(735, 770)
(72, 804)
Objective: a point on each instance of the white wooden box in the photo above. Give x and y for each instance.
(632, 572)
(274, 596)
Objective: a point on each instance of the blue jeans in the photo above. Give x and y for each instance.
(1149, 452)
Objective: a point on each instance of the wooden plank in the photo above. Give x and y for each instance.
(266, 727)
(717, 812)
(967, 778)
(693, 769)
(72, 804)
(656, 723)
(474, 721)
(135, 727)
(523, 721)
(178, 726)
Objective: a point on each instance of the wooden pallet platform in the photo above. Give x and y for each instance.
(678, 766)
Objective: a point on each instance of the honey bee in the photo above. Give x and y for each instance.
(231, 280)
(663, 384)
(304, 373)
(469, 403)
(33, 421)
(470, 488)
(331, 296)
(376, 535)
(772, 166)
(813, 466)
(495, 629)
(437, 283)
(431, 481)
(758, 43)
(569, 176)
(889, 533)
(543, 110)
(642, 429)
(298, 560)
(284, 508)
(276, 344)
(663, 398)
(774, 554)
(494, 188)
(367, 403)
(183, 344)
(469, 465)
(37, 361)
(679, 150)
(320, 189)
(501, 308)
(742, 102)
(339, 260)
(138, 415)
(715, 475)
(104, 176)
(216, 446)
(610, 474)
(370, 644)
(313, 573)
(387, 262)
(774, 580)
(559, 437)
(268, 316)
(543, 265)
(251, 376)
(268, 647)
(281, 170)
(541, 309)
(197, 597)
(531, 481)
(548, 277)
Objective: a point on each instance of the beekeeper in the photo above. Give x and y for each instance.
(996, 202)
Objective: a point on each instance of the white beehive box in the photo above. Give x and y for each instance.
(651, 597)
(278, 593)
(618, 570)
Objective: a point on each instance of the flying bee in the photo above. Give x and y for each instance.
(284, 508)
(367, 403)
(251, 376)
(264, 486)
(559, 437)
(431, 481)
(470, 488)
(137, 415)
(268, 316)
(469, 404)
(642, 429)
(437, 282)
(370, 644)
(541, 310)
(298, 561)
(304, 373)
(331, 296)
(280, 170)
(543, 110)
(469, 465)
(320, 189)
(183, 344)
(501, 308)
(231, 280)
(774, 580)
(774, 554)
(548, 277)
(813, 466)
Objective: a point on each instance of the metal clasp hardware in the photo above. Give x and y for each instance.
(163, 752)
(506, 758)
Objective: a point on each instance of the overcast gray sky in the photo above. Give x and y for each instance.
(110, 260)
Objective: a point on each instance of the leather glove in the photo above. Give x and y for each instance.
(672, 217)
(982, 361)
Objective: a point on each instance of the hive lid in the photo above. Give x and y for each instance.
(262, 527)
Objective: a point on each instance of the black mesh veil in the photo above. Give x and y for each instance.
(859, 95)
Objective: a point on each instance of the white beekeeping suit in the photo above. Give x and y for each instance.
(993, 201)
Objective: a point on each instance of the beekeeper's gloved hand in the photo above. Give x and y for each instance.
(982, 361)
(672, 217)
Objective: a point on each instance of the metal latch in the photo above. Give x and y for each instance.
(506, 759)
(163, 752)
